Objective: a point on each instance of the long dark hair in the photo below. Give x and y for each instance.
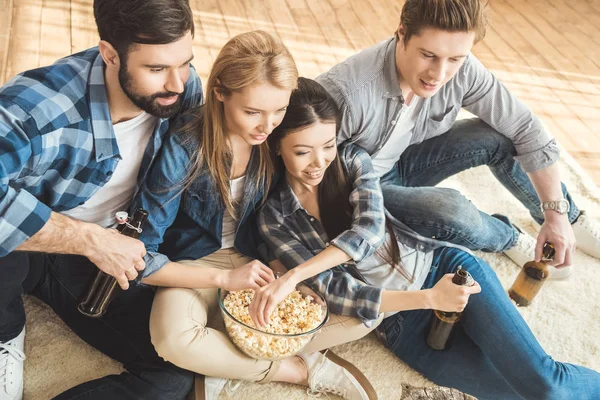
(311, 103)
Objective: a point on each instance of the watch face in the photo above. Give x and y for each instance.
(562, 207)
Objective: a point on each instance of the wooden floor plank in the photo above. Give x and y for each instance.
(55, 32)
(545, 51)
(6, 12)
(24, 46)
(84, 33)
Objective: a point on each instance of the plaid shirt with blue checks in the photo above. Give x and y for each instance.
(57, 144)
(294, 236)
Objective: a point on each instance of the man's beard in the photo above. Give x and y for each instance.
(148, 103)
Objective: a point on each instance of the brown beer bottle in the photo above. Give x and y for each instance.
(103, 287)
(442, 322)
(531, 278)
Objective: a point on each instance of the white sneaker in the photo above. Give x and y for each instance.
(326, 376)
(11, 368)
(587, 234)
(524, 251)
(209, 387)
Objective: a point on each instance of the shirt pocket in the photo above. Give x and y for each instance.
(199, 204)
(439, 123)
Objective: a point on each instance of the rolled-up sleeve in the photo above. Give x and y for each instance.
(490, 100)
(346, 295)
(22, 215)
(367, 232)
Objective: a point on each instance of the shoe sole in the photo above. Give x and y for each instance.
(558, 275)
(354, 371)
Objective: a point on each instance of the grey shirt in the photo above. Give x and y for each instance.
(367, 90)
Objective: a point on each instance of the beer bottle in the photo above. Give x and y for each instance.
(103, 288)
(442, 322)
(531, 278)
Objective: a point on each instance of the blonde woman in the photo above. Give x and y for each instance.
(202, 192)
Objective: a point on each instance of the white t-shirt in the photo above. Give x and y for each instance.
(116, 195)
(376, 270)
(230, 224)
(399, 140)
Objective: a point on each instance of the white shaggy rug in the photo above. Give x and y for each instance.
(564, 317)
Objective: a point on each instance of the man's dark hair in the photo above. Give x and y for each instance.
(447, 15)
(125, 22)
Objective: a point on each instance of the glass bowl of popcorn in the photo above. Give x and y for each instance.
(293, 324)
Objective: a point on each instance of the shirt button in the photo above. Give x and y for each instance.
(312, 219)
(393, 122)
(327, 244)
(421, 247)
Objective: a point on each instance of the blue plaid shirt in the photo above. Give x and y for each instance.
(294, 236)
(57, 144)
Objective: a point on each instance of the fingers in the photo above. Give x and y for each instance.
(269, 308)
(265, 277)
(559, 254)
(261, 311)
(267, 273)
(140, 265)
(131, 274)
(252, 310)
(259, 282)
(567, 260)
(475, 288)
(122, 281)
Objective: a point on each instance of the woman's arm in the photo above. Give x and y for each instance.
(367, 230)
(249, 276)
(444, 296)
(291, 253)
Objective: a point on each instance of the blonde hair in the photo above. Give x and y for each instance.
(447, 15)
(246, 59)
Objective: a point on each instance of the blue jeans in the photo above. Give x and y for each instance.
(493, 354)
(410, 195)
(122, 333)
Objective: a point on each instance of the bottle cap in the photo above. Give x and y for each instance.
(121, 217)
(548, 252)
(462, 277)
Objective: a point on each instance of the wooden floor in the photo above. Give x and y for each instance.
(545, 51)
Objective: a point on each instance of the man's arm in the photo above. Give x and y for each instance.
(537, 151)
(110, 251)
(556, 228)
(26, 224)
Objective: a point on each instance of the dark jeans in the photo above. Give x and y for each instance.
(122, 333)
(410, 195)
(493, 354)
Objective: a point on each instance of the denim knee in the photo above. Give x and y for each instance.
(457, 214)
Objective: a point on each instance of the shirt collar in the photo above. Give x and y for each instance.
(289, 202)
(391, 83)
(105, 143)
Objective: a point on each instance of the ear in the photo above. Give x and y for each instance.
(109, 54)
(218, 94)
(400, 30)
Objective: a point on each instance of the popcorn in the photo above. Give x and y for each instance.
(293, 316)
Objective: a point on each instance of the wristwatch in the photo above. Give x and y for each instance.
(560, 206)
